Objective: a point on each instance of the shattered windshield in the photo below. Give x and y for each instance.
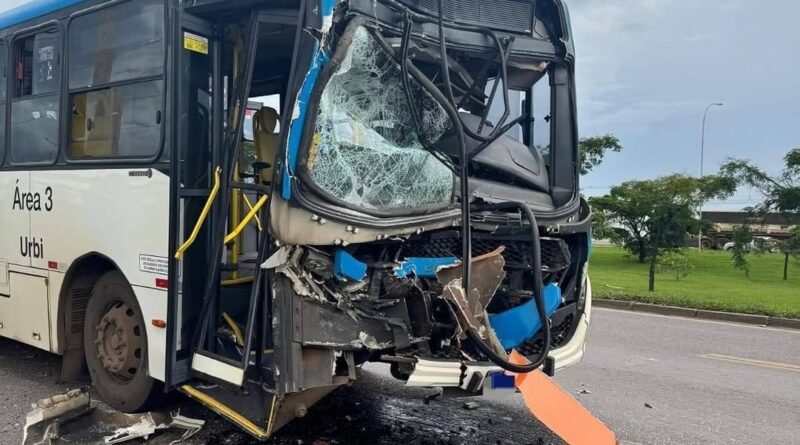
(366, 150)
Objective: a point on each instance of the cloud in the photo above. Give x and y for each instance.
(628, 51)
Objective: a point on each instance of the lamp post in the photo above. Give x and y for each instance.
(702, 159)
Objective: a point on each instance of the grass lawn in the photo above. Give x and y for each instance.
(713, 284)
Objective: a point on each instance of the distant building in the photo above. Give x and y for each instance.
(774, 225)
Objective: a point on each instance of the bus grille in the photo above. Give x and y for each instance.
(554, 251)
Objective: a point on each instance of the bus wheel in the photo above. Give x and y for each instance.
(116, 345)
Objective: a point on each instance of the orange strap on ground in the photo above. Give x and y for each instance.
(558, 410)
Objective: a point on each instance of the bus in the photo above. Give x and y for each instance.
(245, 201)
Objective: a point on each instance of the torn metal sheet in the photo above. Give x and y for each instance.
(72, 418)
(368, 341)
(279, 258)
(487, 275)
(37, 426)
(286, 261)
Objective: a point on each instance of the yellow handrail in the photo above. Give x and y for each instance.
(231, 236)
(235, 281)
(203, 215)
(250, 206)
(237, 331)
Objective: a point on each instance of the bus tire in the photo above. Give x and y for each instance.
(115, 344)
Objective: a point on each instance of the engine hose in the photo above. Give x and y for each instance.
(538, 295)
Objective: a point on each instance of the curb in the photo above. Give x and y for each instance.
(674, 311)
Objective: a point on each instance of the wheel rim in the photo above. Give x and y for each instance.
(119, 341)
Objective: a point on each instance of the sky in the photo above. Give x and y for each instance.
(647, 70)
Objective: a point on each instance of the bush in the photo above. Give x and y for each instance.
(675, 262)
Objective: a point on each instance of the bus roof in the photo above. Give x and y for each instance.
(33, 9)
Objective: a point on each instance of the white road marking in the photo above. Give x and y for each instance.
(699, 320)
(753, 362)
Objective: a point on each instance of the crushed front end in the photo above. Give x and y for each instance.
(410, 120)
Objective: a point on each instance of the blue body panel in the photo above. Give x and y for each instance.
(318, 62)
(32, 10)
(320, 59)
(347, 268)
(423, 267)
(516, 325)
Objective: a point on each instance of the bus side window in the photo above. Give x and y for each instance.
(35, 104)
(116, 69)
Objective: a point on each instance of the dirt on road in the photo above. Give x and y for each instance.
(374, 410)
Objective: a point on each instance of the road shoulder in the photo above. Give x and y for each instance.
(761, 320)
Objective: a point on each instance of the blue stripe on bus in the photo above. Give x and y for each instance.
(298, 123)
(32, 10)
(319, 60)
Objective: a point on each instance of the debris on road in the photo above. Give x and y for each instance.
(72, 418)
(471, 405)
(431, 397)
(647, 405)
(141, 429)
(36, 422)
(147, 426)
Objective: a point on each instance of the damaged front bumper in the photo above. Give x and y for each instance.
(399, 300)
(471, 376)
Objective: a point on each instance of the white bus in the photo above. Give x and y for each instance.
(145, 239)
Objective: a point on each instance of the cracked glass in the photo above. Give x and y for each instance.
(366, 150)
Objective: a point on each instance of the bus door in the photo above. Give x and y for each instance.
(195, 93)
(214, 302)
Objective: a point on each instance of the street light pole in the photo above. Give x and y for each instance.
(702, 156)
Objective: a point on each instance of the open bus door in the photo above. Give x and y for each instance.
(219, 309)
(209, 100)
(195, 95)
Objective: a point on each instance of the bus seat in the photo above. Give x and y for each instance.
(97, 141)
(266, 140)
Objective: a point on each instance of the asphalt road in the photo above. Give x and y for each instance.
(707, 382)
(653, 379)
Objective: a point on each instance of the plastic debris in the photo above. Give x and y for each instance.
(470, 405)
(347, 268)
(423, 267)
(72, 418)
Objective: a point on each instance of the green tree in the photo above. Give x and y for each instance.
(675, 262)
(659, 214)
(592, 150)
(742, 240)
(781, 194)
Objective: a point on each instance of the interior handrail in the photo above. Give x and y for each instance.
(243, 223)
(250, 206)
(202, 218)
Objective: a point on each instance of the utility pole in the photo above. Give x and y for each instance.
(702, 159)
